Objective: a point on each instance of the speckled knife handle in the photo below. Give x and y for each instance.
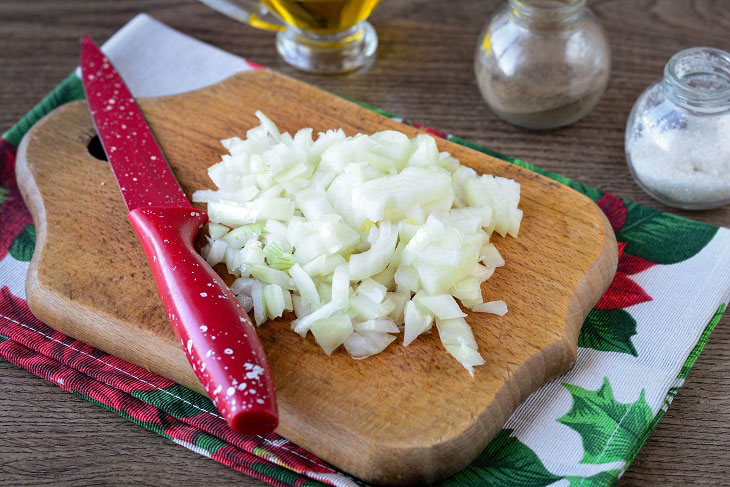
(218, 337)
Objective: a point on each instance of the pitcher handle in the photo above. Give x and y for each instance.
(251, 12)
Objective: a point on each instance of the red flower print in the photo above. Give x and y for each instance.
(14, 215)
(623, 291)
(615, 210)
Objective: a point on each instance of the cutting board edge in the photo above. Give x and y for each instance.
(564, 351)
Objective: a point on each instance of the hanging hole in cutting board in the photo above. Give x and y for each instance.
(95, 148)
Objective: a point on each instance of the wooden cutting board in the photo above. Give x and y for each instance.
(408, 415)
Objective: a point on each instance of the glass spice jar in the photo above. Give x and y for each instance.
(542, 64)
(678, 133)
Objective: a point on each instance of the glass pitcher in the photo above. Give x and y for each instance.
(318, 36)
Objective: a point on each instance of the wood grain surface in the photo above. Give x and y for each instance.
(418, 417)
(423, 72)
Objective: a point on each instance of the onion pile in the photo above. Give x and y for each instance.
(361, 237)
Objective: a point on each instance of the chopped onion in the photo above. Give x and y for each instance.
(443, 306)
(365, 308)
(481, 273)
(305, 285)
(273, 296)
(270, 276)
(457, 338)
(363, 344)
(216, 230)
(490, 256)
(243, 213)
(468, 289)
(376, 259)
(252, 254)
(303, 325)
(217, 252)
(237, 238)
(373, 290)
(407, 277)
(493, 307)
(259, 311)
(233, 261)
(385, 326)
(246, 301)
(345, 230)
(332, 332)
(415, 323)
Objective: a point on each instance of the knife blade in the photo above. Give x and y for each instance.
(216, 334)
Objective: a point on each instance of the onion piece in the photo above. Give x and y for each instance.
(305, 285)
(467, 289)
(490, 256)
(415, 323)
(259, 311)
(443, 306)
(364, 344)
(407, 277)
(332, 332)
(273, 296)
(375, 260)
(373, 290)
(238, 237)
(493, 307)
(277, 258)
(385, 326)
(216, 230)
(250, 212)
(270, 276)
(458, 339)
(217, 252)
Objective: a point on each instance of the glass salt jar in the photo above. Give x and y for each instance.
(678, 133)
(542, 64)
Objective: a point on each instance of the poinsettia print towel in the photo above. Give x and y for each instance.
(636, 347)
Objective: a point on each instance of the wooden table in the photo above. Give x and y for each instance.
(423, 72)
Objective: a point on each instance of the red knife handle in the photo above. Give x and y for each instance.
(218, 337)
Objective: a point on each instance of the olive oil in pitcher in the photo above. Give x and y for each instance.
(322, 16)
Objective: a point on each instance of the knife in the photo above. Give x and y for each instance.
(217, 336)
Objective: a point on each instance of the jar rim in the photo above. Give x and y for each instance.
(683, 65)
(547, 11)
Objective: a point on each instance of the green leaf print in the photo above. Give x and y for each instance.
(662, 237)
(209, 443)
(70, 89)
(177, 401)
(608, 331)
(671, 394)
(3, 194)
(506, 462)
(23, 245)
(695, 353)
(609, 429)
(602, 479)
